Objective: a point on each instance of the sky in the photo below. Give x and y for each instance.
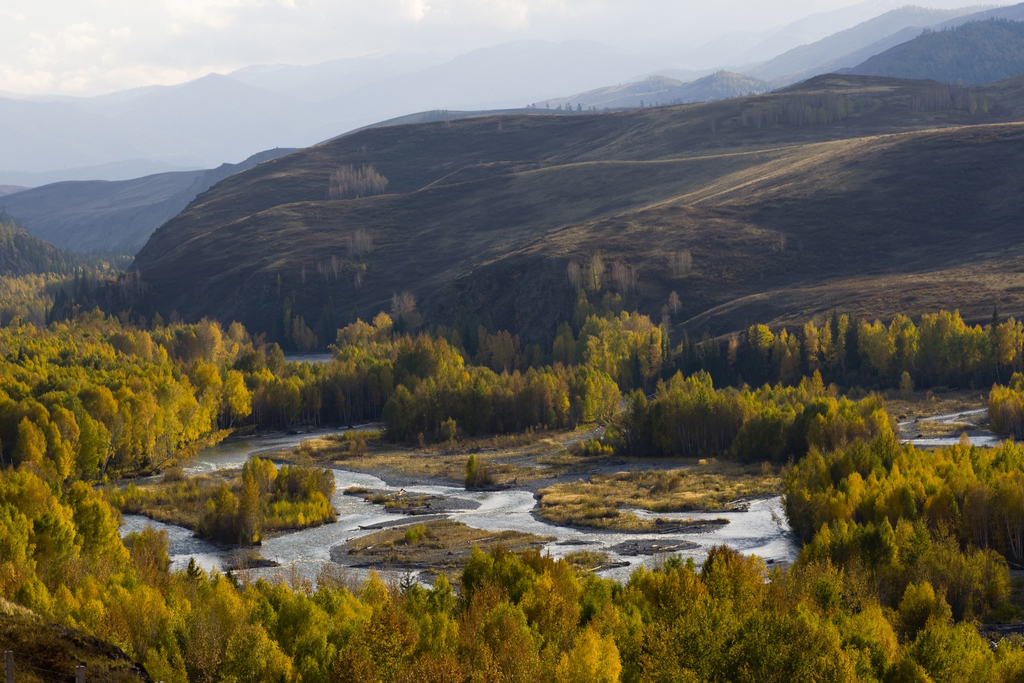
(89, 47)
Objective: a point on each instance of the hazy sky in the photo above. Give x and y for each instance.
(83, 47)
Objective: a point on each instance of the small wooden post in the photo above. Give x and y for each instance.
(8, 667)
(79, 674)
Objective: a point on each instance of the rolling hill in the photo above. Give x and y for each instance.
(977, 52)
(100, 215)
(659, 90)
(870, 194)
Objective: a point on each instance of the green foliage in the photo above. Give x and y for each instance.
(949, 516)
(239, 511)
(688, 417)
(413, 534)
(520, 617)
(435, 387)
(903, 548)
(1006, 407)
(477, 476)
(939, 350)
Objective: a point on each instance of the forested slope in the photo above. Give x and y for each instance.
(977, 52)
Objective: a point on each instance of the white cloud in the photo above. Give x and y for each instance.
(218, 14)
(77, 37)
(500, 14)
(78, 82)
(413, 10)
(17, 80)
(43, 52)
(122, 33)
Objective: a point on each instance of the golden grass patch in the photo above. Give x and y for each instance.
(707, 485)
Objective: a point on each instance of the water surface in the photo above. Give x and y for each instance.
(761, 531)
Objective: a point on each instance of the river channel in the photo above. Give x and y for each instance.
(761, 530)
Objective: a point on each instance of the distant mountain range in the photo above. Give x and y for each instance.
(851, 47)
(220, 118)
(196, 125)
(747, 48)
(844, 49)
(978, 52)
(100, 215)
(199, 125)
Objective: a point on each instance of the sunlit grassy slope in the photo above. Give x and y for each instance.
(869, 194)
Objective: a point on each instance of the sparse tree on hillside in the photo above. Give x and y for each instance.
(349, 182)
(674, 303)
(360, 242)
(681, 262)
(596, 271)
(572, 271)
(403, 308)
(624, 276)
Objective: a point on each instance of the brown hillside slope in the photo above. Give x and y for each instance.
(48, 652)
(891, 200)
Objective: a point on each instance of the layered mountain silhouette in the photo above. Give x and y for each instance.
(101, 215)
(977, 52)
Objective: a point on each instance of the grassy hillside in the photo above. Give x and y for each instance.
(855, 192)
(48, 652)
(977, 52)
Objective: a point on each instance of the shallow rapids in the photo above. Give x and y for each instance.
(762, 530)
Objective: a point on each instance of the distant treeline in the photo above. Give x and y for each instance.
(804, 110)
(689, 418)
(940, 350)
(96, 396)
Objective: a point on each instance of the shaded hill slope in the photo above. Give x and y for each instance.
(977, 52)
(48, 652)
(23, 254)
(804, 192)
(101, 215)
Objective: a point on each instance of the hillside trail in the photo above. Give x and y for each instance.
(787, 166)
(794, 158)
